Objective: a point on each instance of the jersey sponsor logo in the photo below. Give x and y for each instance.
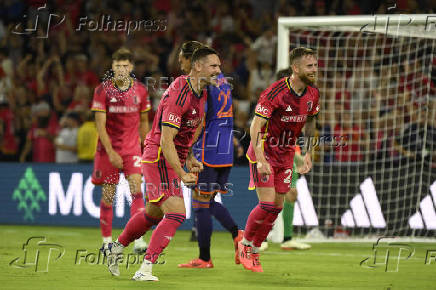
(262, 110)
(113, 100)
(294, 119)
(289, 109)
(122, 109)
(173, 118)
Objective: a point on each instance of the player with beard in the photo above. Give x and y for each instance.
(280, 114)
(167, 148)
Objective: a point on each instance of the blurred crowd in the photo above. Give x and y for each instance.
(54, 53)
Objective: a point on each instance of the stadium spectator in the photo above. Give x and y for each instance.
(66, 141)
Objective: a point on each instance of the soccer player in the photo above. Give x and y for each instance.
(281, 112)
(167, 147)
(290, 198)
(215, 150)
(120, 105)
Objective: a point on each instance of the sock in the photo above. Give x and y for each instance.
(137, 203)
(136, 227)
(106, 215)
(204, 231)
(266, 227)
(223, 216)
(162, 235)
(256, 218)
(288, 217)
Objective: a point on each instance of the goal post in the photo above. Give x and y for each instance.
(376, 80)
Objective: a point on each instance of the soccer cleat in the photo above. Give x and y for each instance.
(257, 267)
(263, 247)
(197, 263)
(140, 246)
(245, 256)
(236, 240)
(139, 276)
(293, 245)
(112, 252)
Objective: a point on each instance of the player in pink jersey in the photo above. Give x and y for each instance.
(120, 105)
(167, 149)
(282, 111)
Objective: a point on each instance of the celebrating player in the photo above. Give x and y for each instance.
(290, 198)
(120, 104)
(167, 147)
(280, 115)
(215, 150)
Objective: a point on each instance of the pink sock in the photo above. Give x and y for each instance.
(136, 227)
(256, 218)
(162, 235)
(266, 227)
(106, 215)
(137, 203)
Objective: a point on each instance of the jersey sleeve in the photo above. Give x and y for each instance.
(145, 99)
(315, 107)
(99, 100)
(268, 100)
(176, 104)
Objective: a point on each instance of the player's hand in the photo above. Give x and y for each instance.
(193, 165)
(189, 179)
(263, 168)
(115, 159)
(306, 166)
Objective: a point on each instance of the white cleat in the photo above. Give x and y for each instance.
(112, 252)
(263, 247)
(144, 272)
(293, 245)
(140, 246)
(139, 276)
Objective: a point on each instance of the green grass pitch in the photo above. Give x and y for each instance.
(325, 266)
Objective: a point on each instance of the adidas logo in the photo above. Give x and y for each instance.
(194, 112)
(307, 217)
(425, 217)
(365, 209)
(113, 100)
(289, 109)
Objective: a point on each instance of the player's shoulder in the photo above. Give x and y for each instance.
(139, 84)
(313, 90)
(276, 89)
(102, 87)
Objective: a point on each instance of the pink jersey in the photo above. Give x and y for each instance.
(123, 110)
(180, 108)
(286, 113)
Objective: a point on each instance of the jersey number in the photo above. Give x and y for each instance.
(289, 177)
(137, 161)
(221, 113)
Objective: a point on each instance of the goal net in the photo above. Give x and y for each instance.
(374, 168)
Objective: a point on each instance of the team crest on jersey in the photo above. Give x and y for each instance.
(309, 106)
(135, 99)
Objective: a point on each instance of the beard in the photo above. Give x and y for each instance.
(307, 80)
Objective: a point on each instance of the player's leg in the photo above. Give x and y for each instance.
(201, 203)
(108, 176)
(266, 194)
(221, 213)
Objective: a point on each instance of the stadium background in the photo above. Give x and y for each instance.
(48, 74)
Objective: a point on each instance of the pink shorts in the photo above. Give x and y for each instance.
(161, 182)
(105, 173)
(280, 178)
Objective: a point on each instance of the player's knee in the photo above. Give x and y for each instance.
(291, 196)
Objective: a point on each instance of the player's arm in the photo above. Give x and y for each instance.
(144, 126)
(100, 123)
(256, 140)
(309, 132)
(193, 165)
(170, 154)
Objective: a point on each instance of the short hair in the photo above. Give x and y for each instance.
(123, 54)
(283, 73)
(188, 48)
(202, 52)
(299, 52)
